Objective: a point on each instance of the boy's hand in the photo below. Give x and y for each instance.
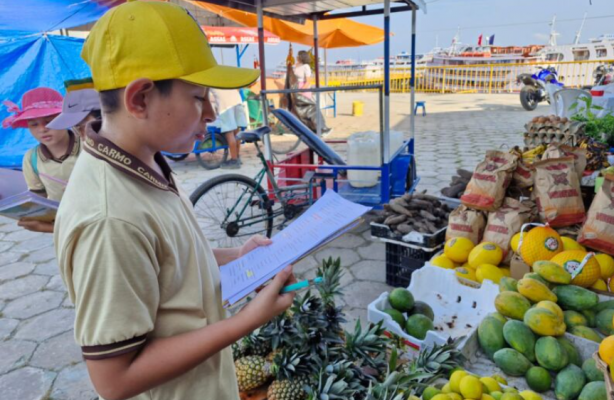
(269, 303)
(36, 226)
(254, 242)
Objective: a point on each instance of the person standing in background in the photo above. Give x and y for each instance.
(230, 120)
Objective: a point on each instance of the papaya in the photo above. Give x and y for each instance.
(572, 351)
(569, 383)
(537, 277)
(594, 391)
(604, 305)
(512, 362)
(586, 333)
(498, 316)
(512, 305)
(604, 322)
(490, 336)
(520, 338)
(592, 373)
(508, 284)
(544, 322)
(572, 297)
(539, 379)
(550, 354)
(535, 291)
(552, 306)
(574, 318)
(591, 317)
(552, 272)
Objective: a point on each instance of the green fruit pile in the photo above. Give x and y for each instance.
(414, 317)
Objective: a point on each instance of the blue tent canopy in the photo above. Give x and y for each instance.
(31, 58)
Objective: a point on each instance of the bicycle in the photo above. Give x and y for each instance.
(231, 208)
(210, 152)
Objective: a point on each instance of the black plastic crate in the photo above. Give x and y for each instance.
(402, 260)
(429, 240)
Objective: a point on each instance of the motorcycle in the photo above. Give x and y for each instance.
(534, 90)
(603, 74)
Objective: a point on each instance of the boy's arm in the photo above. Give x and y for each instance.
(224, 256)
(164, 359)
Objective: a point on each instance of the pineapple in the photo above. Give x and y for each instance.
(280, 331)
(288, 389)
(252, 372)
(369, 347)
(340, 380)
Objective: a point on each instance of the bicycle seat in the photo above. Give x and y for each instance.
(255, 135)
(308, 137)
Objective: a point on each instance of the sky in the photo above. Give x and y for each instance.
(513, 22)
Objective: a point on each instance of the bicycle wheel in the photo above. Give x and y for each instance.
(231, 208)
(212, 158)
(283, 140)
(177, 157)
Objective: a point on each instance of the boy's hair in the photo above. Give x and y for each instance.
(109, 99)
(303, 57)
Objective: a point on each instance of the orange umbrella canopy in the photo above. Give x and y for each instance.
(332, 33)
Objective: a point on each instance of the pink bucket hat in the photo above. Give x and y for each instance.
(36, 103)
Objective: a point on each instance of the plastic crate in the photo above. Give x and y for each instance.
(403, 259)
(458, 308)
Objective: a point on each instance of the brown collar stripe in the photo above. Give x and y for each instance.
(72, 150)
(113, 350)
(106, 150)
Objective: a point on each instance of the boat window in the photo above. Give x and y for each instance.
(554, 57)
(581, 54)
(602, 52)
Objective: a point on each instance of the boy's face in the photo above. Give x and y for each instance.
(181, 117)
(48, 137)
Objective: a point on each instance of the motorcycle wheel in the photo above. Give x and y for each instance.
(528, 98)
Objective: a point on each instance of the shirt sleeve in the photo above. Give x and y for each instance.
(111, 271)
(32, 179)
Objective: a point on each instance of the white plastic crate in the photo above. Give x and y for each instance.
(458, 308)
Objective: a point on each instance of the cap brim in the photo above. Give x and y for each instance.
(22, 120)
(67, 120)
(223, 77)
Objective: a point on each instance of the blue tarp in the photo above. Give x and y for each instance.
(27, 63)
(30, 58)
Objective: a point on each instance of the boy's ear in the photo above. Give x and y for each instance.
(137, 95)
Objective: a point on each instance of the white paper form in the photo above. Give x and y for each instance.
(325, 220)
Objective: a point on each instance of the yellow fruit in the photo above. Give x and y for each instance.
(535, 291)
(458, 249)
(441, 396)
(446, 388)
(412, 397)
(443, 262)
(485, 253)
(491, 384)
(541, 243)
(606, 350)
(530, 395)
(571, 261)
(506, 272)
(486, 397)
(600, 285)
(611, 284)
(514, 242)
(570, 244)
(455, 380)
(455, 396)
(606, 264)
(467, 273)
(549, 305)
(612, 370)
(488, 271)
(471, 387)
(499, 379)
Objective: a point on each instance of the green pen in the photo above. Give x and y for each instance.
(301, 285)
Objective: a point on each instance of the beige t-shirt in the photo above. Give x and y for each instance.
(137, 266)
(53, 173)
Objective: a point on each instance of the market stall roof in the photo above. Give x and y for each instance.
(231, 35)
(331, 33)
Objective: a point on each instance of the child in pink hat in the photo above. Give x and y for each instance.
(48, 166)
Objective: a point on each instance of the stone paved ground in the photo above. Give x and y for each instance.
(38, 357)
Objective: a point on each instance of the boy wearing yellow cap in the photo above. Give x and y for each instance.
(143, 278)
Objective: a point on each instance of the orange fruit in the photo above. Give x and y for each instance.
(571, 261)
(540, 244)
(485, 253)
(606, 263)
(606, 349)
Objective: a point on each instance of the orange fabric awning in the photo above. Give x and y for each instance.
(332, 34)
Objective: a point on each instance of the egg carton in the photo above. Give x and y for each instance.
(458, 308)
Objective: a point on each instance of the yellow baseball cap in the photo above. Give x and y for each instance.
(159, 41)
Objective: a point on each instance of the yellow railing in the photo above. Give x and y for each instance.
(478, 78)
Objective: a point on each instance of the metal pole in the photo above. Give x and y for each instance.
(317, 71)
(386, 147)
(412, 81)
(268, 154)
(238, 51)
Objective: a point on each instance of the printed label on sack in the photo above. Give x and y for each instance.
(551, 244)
